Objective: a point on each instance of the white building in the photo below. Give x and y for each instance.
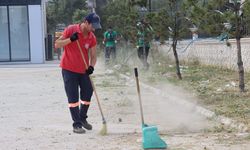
(22, 31)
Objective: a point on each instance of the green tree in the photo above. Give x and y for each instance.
(141, 3)
(78, 15)
(169, 20)
(177, 25)
(205, 15)
(171, 17)
(61, 11)
(118, 15)
(214, 15)
(246, 15)
(237, 20)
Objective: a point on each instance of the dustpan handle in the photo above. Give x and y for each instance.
(136, 73)
(139, 94)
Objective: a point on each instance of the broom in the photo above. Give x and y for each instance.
(104, 127)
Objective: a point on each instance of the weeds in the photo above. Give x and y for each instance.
(216, 87)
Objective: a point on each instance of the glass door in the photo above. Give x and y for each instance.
(19, 33)
(4, 35)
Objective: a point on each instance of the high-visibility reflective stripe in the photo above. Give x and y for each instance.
(74, 104)
(85, 102)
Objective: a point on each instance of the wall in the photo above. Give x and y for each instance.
(36, 34)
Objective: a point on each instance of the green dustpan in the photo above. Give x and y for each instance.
(150, 136)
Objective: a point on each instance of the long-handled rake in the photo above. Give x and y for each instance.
(104, 127)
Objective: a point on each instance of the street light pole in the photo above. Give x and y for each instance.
(94, 6)
(91, 4)
(149, 5)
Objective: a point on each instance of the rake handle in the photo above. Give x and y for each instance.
(92, 83)
(139, 94)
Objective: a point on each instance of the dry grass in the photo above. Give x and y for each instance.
(217, 88)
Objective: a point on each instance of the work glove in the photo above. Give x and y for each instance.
(74, 37)
(90, 70)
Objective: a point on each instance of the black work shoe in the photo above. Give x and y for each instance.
(79, 130)
(86, 125)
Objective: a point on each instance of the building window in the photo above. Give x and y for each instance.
(4, 36)
(15, 38)
(19, 33)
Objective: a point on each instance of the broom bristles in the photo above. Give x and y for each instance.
(104, 129)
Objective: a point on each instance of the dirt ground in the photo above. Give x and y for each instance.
(34, 114)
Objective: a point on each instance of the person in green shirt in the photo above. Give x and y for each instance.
(110, 40)
(144, 36)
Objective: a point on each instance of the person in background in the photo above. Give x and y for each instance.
(144, 36)
(75, 75)
(110, 40)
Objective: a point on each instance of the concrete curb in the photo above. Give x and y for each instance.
(240, 127)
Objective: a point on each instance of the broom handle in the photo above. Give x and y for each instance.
(139, 94)
(92, 83)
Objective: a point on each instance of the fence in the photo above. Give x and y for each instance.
(211, 52)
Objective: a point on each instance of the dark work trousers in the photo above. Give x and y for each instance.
(143, 55)
(109, 50)
(72, 82)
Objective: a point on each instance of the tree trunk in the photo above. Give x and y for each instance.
(176, 60)
(240, 67)
(239, 56)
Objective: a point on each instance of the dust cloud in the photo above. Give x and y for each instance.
(165, 110)
(172, 110)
